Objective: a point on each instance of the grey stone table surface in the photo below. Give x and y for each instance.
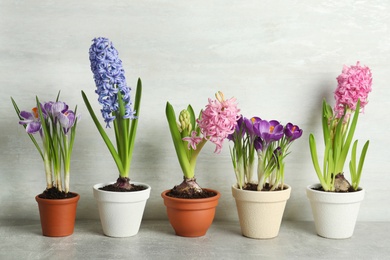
(22, 239)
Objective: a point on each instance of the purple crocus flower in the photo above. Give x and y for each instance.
(67, 120)
(292, 132)
(31, 119)
(268, 131)
(109, 78)
(239, 128)
(249, 123)
(55, 108)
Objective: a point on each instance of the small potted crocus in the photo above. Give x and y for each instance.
(260, 204)
(121, 203)
(336, 200)
(190, 208)
(56, 124)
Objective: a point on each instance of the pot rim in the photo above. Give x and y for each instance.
(274, 191)
(316, 185)
(217, 196)
(121, 197)
(334, 197)
(261, 196)
(99, 185)
(58, 201)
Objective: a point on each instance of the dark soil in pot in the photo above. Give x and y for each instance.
(55, 194)
(253, 187)
(114, 188)
(196, 195)
(350, 189)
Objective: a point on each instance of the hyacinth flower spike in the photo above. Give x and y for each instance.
(114, 96)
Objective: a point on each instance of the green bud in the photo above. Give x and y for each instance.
(184, 119)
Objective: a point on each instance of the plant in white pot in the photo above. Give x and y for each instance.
(190, 208)
(121, 203)
(56, 125)
(336, 200)
(261, 204)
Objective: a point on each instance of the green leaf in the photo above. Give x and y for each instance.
(58, 95)
(177, 141)
(326, 115)
(314, 157)
(122, 136)
(17, 110)
(192, 117)
(352, 163)
(134, 122)
(361, 163)
(344, 152)
(338, 144)
(103, 134)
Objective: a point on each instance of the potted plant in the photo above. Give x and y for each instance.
(335, 201)
(260, 204)
(121, 204)
(190, 208)
(56, 125)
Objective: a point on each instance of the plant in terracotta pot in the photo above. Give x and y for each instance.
(123, 219)
(341, 197)
(56, 124)
(191, 208)
(265, 198)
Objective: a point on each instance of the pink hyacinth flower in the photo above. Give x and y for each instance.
(218, 120)
(193, 140)
(354, 83)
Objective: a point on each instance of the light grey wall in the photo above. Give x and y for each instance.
(278, 58)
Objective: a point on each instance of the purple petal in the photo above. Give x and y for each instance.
(258, 144)
(27, 115)
(59, 107)
(292, 132)
(33, 127)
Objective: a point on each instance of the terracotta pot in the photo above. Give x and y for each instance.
(334, 213)
(191, 217)
(57, 215)
(121, 212)
(260, 212)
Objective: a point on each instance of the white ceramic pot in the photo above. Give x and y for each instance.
(121, 212)
(334, 213)
(260, 212)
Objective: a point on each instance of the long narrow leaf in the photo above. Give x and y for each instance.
(338, 143)
(122, 136)
(347, 144)
(134, 122)
(17, 110)
(361, 163)
(58, 95)
(325, 117)
(328, 157)
(176, 137)
(352, 163)
(103, 134)
(314, 157)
